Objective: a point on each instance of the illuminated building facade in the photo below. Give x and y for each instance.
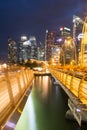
(83, 50)
(27, 49)
(12, 52)
(65, 32)
(77, 30)
(50, 42)
(33, 51)
(40, 53)
(67, 45)
(23, 49)
(56, 55)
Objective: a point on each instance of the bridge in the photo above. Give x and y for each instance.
(75, 86)
(74, 83)
(15, 86)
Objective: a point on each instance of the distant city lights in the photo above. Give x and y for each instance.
(61, 29)
(81, 35)
(64, 28)
(59, 40)
(27, 43)
(23, 38)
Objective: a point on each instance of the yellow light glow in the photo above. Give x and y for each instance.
(4, 65)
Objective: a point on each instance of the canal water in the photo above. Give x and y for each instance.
(46, 107)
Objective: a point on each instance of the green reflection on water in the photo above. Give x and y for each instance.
(23, 121)
(27, 119)
(45, 108)
(42, 108)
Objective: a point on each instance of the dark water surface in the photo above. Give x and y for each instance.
(46, 108)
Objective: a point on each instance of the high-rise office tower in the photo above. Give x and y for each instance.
(33, 52)
(12, 51)
(40, 53)
(23, 49)
(27, 49)
(50, 41)
(67, 48)
(65, 32)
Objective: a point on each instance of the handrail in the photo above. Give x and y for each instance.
(75, 83)
(13, 86)
(83, 89)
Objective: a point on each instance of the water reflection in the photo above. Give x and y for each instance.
(46, 108)
(42, 85)
(31, 114)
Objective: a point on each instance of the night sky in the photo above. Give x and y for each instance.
(33, 17)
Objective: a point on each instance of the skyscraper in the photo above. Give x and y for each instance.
(22, 49)
(50, 42)
(40, 53)
(65, 32)
(27, 49)
(33, 53)
(12, 51)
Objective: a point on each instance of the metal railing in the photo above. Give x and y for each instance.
(13, 85)
(77, 84)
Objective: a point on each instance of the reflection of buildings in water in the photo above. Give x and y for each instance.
(38, 82)
(31, 114)
(43, 85)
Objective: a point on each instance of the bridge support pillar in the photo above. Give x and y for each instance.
(76, 113)
(69, 115)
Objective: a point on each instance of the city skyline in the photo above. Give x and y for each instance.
(32, 18)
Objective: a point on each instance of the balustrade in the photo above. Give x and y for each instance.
(75, 83)
(13, 86)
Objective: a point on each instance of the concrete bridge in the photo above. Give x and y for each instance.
(75, 86)
(15, 87)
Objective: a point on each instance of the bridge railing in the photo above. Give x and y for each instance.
(82, 92)
(13, 86)
(75, 82)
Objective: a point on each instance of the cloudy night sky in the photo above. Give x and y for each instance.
(33, 17)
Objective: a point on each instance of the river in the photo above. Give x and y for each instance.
(46, 107)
